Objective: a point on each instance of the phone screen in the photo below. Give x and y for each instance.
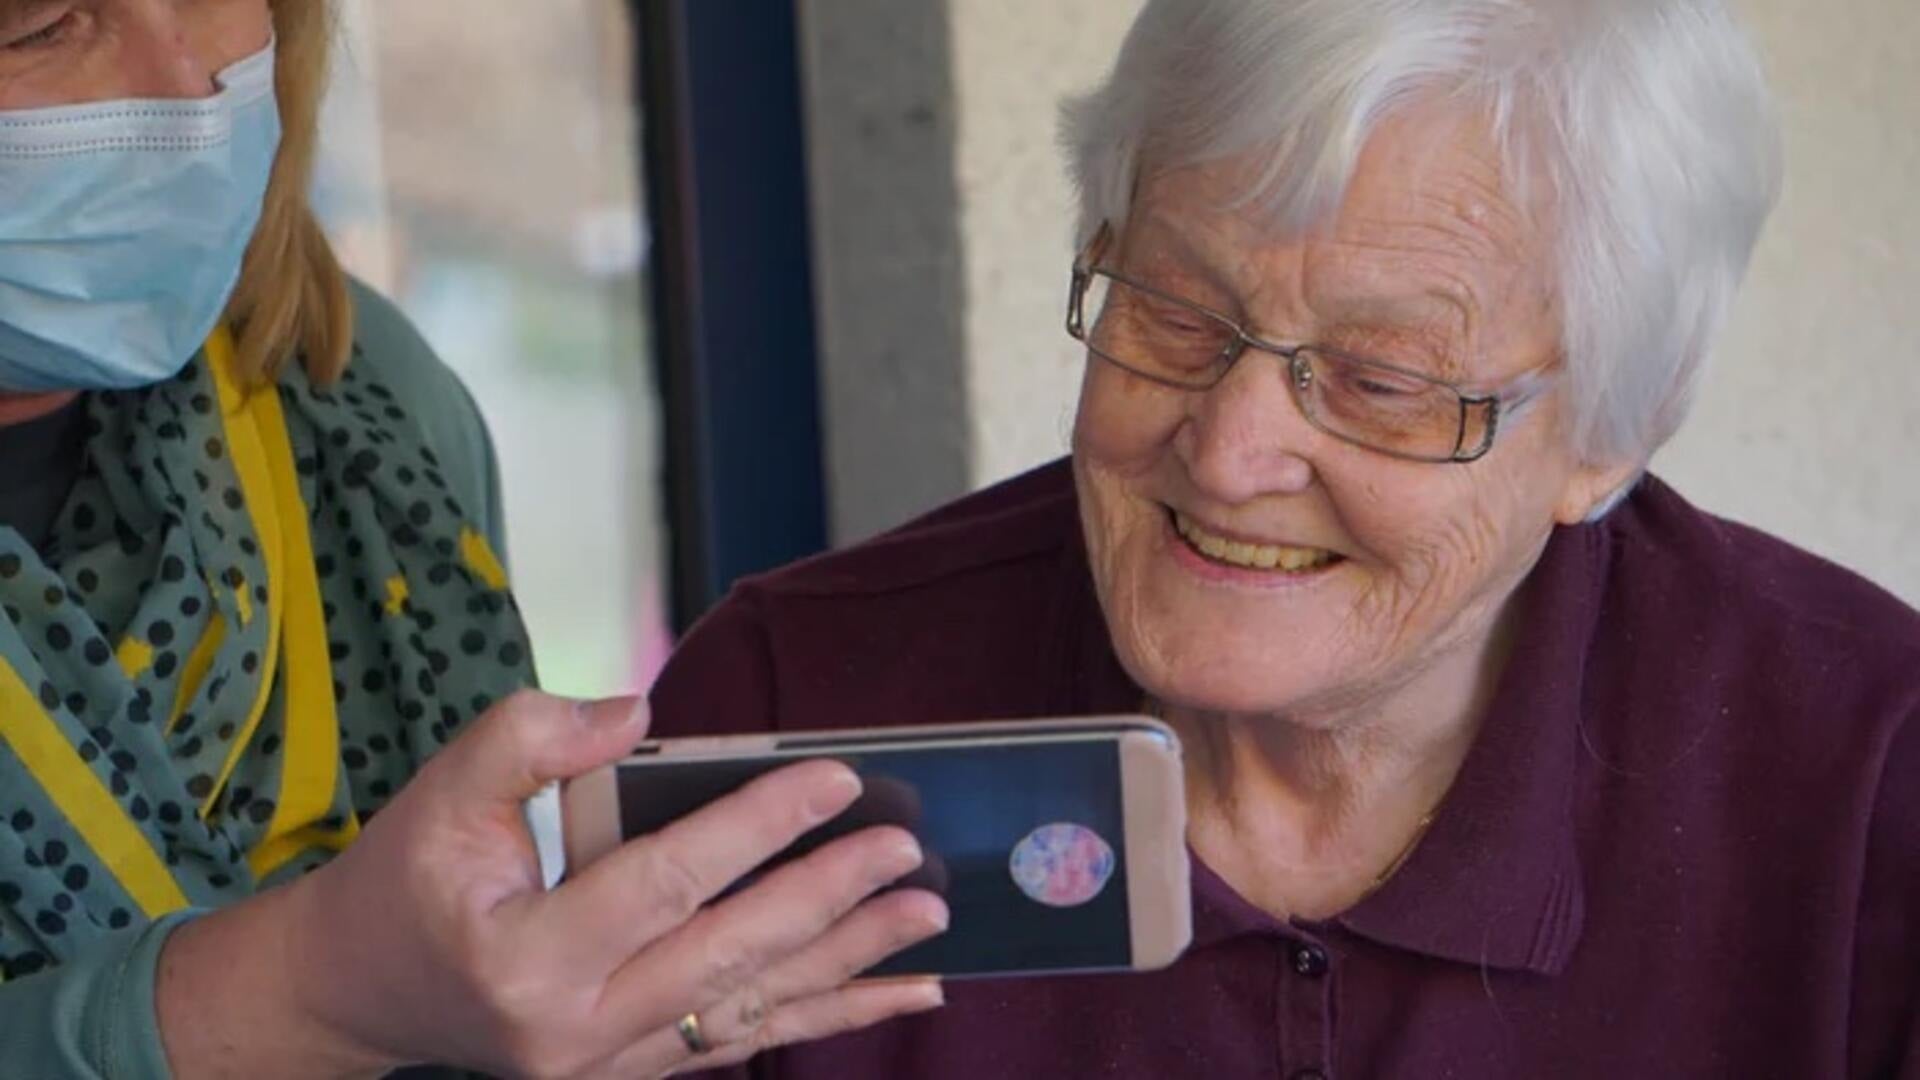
(1024, 840)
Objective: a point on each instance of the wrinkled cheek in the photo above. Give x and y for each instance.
(1432, 580)
(1123, 440)
(1120, 551)
(1124, 424)
(1119, 439)
(1114, 519)
(1372, 617)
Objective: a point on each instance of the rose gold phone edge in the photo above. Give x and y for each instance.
(1153, 808)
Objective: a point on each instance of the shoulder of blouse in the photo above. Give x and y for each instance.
(391, 349)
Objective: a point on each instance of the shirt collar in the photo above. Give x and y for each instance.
(1496, 880)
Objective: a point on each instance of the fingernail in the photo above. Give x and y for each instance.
(933, 992)
(835, 795)
(613, 712)
(904, 854)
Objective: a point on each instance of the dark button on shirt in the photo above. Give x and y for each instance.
(1686, 842)
(1310, 961)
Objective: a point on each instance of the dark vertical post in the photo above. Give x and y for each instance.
(725, 168)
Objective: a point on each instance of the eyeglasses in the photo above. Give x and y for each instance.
(1179, 344)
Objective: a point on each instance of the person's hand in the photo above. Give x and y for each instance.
(431, 939)
(453, 952)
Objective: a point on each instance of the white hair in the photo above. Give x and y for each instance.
(1650, 119)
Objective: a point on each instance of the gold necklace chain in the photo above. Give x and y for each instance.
(1400, 860)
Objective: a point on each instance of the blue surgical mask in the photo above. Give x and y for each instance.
(122, 228)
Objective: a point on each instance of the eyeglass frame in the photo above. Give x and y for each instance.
(1506, 402)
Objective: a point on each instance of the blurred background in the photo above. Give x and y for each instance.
(481, 169)
(733, 280)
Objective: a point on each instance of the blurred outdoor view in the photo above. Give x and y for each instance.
(480, 167)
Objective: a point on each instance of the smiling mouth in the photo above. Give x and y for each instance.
(1246, 556)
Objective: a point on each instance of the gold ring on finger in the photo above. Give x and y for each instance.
(689, 1029)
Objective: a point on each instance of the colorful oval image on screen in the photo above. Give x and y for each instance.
(1062, 865)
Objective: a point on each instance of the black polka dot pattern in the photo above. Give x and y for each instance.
(153, 548)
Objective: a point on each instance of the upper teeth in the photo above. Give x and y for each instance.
(1252, 556)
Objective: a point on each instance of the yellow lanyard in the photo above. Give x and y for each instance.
(310, 761)
(256, 433)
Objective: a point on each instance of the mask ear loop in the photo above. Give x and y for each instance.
(246, 79)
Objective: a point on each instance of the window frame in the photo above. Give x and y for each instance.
(719, 91)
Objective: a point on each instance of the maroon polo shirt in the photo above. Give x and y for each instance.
(1686, 843)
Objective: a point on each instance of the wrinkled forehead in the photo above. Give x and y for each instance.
(1430, 192)
(1437, 163)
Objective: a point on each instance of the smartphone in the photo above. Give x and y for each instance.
(1059, 844)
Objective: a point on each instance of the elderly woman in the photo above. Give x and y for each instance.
(247, 525)
(1502, 759)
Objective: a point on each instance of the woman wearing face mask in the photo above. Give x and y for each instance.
(247, 537)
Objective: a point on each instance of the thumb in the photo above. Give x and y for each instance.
(527, 740)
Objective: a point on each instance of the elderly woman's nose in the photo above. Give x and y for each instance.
(1246, 438)
(160, 56)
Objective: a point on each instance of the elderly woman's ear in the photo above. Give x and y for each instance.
(1592, 490)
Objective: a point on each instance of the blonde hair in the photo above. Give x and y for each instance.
(292, 294)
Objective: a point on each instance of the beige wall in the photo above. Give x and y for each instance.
(888, 273)
(1810, 424)
(1013, 62)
